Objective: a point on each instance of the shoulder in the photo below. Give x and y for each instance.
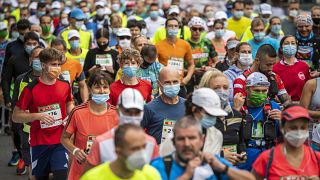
(115, 84)
(97, 171)
(158, 163)
(63, 82)
(31, 85)
(144, 82)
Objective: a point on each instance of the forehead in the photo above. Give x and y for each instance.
(186, 132)
(172, 22)
(134, 138)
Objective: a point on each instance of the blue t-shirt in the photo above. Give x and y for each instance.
(156, 112)
(151, 73)
(255, 45)
(257, 114)
(177, 170)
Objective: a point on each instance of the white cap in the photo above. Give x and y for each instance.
(73, 33)
(56, 5)
(232, 44)
(33, 5)
(99, 3)
(220, 15)
(3, 26)
(316, 134)
(131, 98)
(207, 99)
(257, 79)
(124, 32)
(66, 10)
(174, 9)
(265, 8)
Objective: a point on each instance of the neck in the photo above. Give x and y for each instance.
(36, 73)
(47, 80)
(169, 100)
(294, 151)
(289, 60)
(129, 80)
(254, 68)
(171, 39)
(240, 66)
(98, 108)
(45, 34)
(194, 39)
(274, 34)
(75, 51)
(119, 168)
(291, 18)
(234, 18)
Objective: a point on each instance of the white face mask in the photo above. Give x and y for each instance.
(144, 32)
(245, 59)
(123, 119)
(125, 43)
(65, 22)
(137, 160)
(79, 24)
(296, 137)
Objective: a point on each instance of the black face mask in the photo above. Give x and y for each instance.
(103, 46)
(316, 21)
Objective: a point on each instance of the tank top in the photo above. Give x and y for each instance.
(315, 101)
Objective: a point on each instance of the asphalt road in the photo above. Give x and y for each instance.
(7, 173)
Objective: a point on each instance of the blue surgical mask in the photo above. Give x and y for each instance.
(36, 65)
(154, 14)
(219, 33)
(130, 70)
(259, 36)
(100, 98)
(276, 29)
(74, 44)
(171, 90)
(173, 32)
(289, 50)
(208, 121)
(238, 14)
(41, 13)
(29, 49)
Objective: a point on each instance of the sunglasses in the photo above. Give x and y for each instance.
(197, 29)
(124, 37)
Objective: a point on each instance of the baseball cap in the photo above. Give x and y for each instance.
(232, 44)
(207, 99)
(99, 3)
(131, 98)
(33, 5)
(3, 26)
(257, 79)
(73, 33)
(77, 14)
(316, 134)
(220, 15)
(56, 5)
(174, 9)
(295, 112)
(265, 8)
(124, 32)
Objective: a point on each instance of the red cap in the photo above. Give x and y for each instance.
(295, 112)
(130, 4)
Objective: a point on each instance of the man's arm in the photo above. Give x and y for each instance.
(191, 68)
(83, 90)
(285, 99)
(21, 116)
(70, 106)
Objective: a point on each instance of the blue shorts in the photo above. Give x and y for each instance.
(48, 158)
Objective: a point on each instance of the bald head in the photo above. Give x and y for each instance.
(168, 73)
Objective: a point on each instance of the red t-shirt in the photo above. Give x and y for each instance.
(86, 126)
(143, 86)
(281, 169)
(239, 84)
(293, 76)
(50, 99)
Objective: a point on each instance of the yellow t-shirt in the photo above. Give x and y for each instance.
(16, 14)
(161, 34)
(79, 58)
(239, 26)
(85, 38)
(103, 171)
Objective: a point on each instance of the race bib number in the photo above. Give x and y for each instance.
(66, 76)
(90, 140)
(257, 130)
(54, 111)
(81, 62)
(176, 63)
(167, 129)
(105, 60)
(230, 148)
(200, 55)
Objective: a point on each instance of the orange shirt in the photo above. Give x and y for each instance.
(71, 70)
(175, 55)
(86, 126)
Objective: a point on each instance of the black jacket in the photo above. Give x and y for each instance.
(13, 48)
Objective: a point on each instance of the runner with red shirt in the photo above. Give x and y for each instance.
(130, 60)
(45, 103)
(264, 62)
(291, 159)
(294, 73)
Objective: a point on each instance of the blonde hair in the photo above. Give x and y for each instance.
(208, 76)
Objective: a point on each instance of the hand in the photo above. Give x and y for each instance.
(213, 162)
(80, 155)
(185, 81)
(275, 114)
(109, 69)
(231, 157)
(314, 74)
(94, 68)
(47, 119)
(192, 164)
(238, 101)
(242, 159)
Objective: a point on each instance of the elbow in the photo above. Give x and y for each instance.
(15, 116)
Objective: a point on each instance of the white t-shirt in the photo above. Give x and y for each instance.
(227, 35)
(152, 26)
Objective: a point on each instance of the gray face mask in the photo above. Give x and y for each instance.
(223, 94)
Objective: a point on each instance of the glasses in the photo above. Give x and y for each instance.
(197, 29)
(124, 37)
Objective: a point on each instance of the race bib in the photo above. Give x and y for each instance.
(200, 55)
(167, 129)
(54, 111)
(90, 140)
(105, 60)
(257, 130)
(176, 63)
(81, 62)
(66, 76)
(230, 148)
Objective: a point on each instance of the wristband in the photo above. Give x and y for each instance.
(75, 150)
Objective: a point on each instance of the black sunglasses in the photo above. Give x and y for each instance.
(124, 37)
